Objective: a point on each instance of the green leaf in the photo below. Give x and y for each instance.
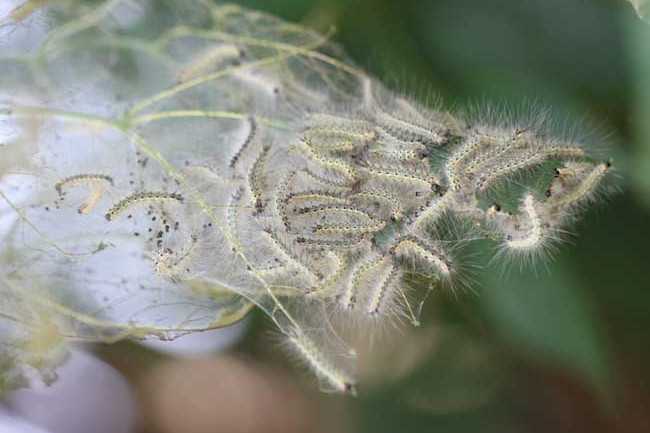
(639, 51)
(461, 375)
(549, 319)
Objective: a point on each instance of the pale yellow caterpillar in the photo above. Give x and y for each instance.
(82, 179)
(535, 235)
(140, 198)
(252, 131)
(380, 291)
(255, 178)
(355, 229)
(98, 182)
(375, 196)
(410, 246)
(319, 362)
(583, 189)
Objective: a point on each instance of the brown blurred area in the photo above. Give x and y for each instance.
(227, 392)
(253, 389)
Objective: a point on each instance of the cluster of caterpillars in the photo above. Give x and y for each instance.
(362, 201)
(171, 260)
(331, 206)
(365, 193)
(355, 201)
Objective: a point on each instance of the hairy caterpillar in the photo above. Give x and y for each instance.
(326, 369)
(81, 179)
(97, 180)
(252, 130)
(534, 236)
(255, 180)
(139, 198)
(376, 300)
(307, 188)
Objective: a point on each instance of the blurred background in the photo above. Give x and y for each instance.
(561, 347)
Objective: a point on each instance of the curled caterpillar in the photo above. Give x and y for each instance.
(96, 180)
(139, 198)
(82, 179)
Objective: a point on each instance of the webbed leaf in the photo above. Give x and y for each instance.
(170, 164)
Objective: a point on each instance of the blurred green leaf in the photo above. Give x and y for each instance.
(639, 49)
(462, 374)
(549, 319)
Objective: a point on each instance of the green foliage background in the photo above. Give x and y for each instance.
(570, 339)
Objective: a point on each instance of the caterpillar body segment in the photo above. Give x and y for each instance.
(314, 197)
(329, 285)
(256, 179)
(332, 375)
(370, 285)
(326, 179)
(282, 196)
(519, 161)
(488, 155)
(484, 147)
(496, 144)
(330, 133)
(83, 179)
(414, 168)
(378, 199)
(96, 181)
(533, 237)
(333, 142)
(454, 163)
(393, 175)
(338, 212)
(409, 157)
(406, 122)
(349, 242)
(541, 151)
(268, 87)
(291, 256)
(566, 177)
(140, 198)
(348, 298)
(509, 167)
(337, 165)
(562, 151)
(352, 126)
(343, 221)
(427, 216)
(92, 200)
(381, 292)
(585, 184)
(353, 288)
(408, 130)
(250, 137)
(351, 229)
(571, 171)
(410, 247)
(359, 280)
